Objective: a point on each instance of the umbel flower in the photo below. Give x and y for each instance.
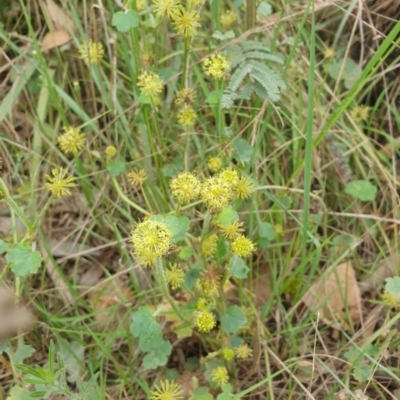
(232, 230)
(59, 182)
(92, 52)
(209, 245)
(166, 8)
(110, 151)
(243, 188)
(216, 192)
(187, 117)
(360, 113)
(227, 19)
(215, 66)
(243, 351)
(220, 376)
(205, 321)
(185, 96)
(242, 246)
(151, 240)
(185, 187)
(167, 390)
(71, 141)
(175, 275)
(137, 177)
(186, 22)
(150, 84)
(390, 300)
(214, 164)
(228, 353)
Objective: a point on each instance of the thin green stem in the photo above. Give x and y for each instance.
(185, 60)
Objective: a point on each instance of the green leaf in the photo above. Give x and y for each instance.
(392, 285)
(158, 356)
(24, 352)
(3, 246)
(361, 190)
(23, 260)
(191, 276)
(186, 253)
(264, 9)
(212, 98)
(72, 355)
(227, 216)
(222, 250)
(125, 20)
(235, 341)
(362, 372)
(202, 393)
(116, 167)
(19, 393)
(178, 226)
(350, 73)
(143, 99)
(242, 150)
(238, 268)
(145, 327)
(223, 36)
(267, 231)
(233, 319)
(226, 392)
(4, 347)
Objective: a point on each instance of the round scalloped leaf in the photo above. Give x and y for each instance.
(361, 190)
(233, 319)
(23, 259)
(124, 21)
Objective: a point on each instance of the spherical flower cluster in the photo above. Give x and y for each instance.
(216, 192)
(329, 53)
(187, 117)
(175, 275)
(207, 285)
(110, 151)
(137, 177)
(230, 176)
(216, 66)
(150, 84)
(214, 164)
(166, 8)
(243, 351)
(141, 5)
(220, 376)
(59, 182)
(243, 188)
(71, 141)
(167, 390)
(209, 245)
(228, 353)
(242, 246)
(151, 240)
(203, 304)
(360, 113)
(390, 300)
(205, 321)
(186, 97)
(92, 52)
(185, 187)
(232, 230)
(186, 22)
(227, 19)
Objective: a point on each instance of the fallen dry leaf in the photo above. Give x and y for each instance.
(335, 295)
(58, 16)
(13, 318)
(55, 39)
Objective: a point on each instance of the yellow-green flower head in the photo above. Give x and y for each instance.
(360, 113)
(232, 230)
(242, 246)
(137, 177)
(92, 52)
(220, 376)
(390, 300)
(150, 84)
(216, 192)
(228, 353)
(216, 66)
(205, 321)
(175, 275)
(141, 5)
(166, 8)
(230, 176)
(186, 22)
(329, 53)
(244, 188)
(214, 164)
(151, 240)
(59, 182)
(167, 390)
(203, 304)
(185, 187)
(227, 19)
(186, 97)
(207, 285)
(110, 151)
(71, 141)
(187, 117)
(209, 245)
(243, 351)
(194, 2)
